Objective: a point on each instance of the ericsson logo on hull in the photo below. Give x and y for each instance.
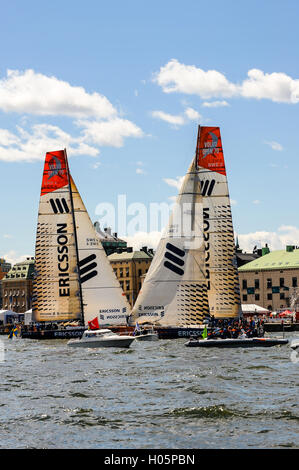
(174, 259)
(86, 267)
(59, 205)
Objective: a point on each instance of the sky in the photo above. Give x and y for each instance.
(123, 87)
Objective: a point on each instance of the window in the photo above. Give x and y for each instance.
(244, 297)
(139, 272)
(281, 282)
(281, 295)
(127, 285)
(269, 296)
(244, 284)
(256, 283)
(269, 283)
(127, 272)
(121, 274)
(257, 297)
(294, 282)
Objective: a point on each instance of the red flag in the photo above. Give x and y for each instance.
(94, 324)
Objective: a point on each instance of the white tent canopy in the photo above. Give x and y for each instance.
(254, 309)
(5, 314)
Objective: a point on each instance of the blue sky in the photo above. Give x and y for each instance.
(123, 86)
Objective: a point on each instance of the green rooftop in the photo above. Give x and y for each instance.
(22, 270)
(281, 259)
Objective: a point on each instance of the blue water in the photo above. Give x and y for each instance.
(153, 395)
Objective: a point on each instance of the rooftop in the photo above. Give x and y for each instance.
(125, 255)
(280, 259)
(22, 270)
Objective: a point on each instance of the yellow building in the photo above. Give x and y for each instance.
(17, 287)
(272, 280)
(129, 267)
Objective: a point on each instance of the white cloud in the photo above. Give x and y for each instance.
(13, 257)
(140, 171)
(140, 239)
(96, 165)
(175, 182)
(109, 133)
(256, 201)
(285, 235)
(277, 87)
(189, 79)
(192, 114)
(275, 145)
(98, 123)
(32, 145)
(35, 93)
(214, 104)
(189, 114)
(176, 77)
(176, 120)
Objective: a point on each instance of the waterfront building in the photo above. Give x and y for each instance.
(130, 268)
(4, 268)
(110, 241)
(17, 287)
(271, 281)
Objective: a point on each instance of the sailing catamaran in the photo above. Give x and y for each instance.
(74, 279)
(194, 275)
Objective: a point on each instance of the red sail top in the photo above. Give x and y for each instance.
(209, 152)
(55, 174)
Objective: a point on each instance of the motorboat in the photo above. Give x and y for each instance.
(146, 335)
(103, 338)
(236, 342)
(295, 344)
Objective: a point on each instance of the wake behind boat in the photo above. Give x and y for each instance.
(103, 338)
(236, 342)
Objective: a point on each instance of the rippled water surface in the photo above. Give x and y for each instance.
(153, 395)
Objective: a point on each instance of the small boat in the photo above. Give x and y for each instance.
(236, 342)
(102, 338)
(146, 335)
(295, 344)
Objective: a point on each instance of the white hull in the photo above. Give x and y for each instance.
(101, 339)
(124, 342)
(148, 337)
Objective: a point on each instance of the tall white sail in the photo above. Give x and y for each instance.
(220, 261)
(56, 288)
(174, 292)
(194, 272)
(102, 294)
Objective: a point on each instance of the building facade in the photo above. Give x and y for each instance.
(17, 287)
(4, 269)
(272, 280)
(130, 268)
(110, 241)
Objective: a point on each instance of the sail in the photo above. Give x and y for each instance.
(194, 271)
(174, 292)
(101, 292)
(220, 263)
(56, 288)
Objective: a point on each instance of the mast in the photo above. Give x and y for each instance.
(75, 236)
